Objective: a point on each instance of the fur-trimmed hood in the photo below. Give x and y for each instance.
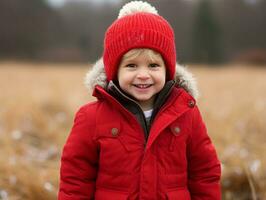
(97, 76)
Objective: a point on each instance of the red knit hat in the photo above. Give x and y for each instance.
(138, 26)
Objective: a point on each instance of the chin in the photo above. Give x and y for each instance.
(143, 99)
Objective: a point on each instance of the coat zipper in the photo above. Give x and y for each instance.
(139, 109)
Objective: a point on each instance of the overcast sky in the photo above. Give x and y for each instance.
(58, 3)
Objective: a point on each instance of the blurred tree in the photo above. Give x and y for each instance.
(179, 13)
(86, 24)
(27, 27)
(206, 35)
(244, 25)
(75, 31)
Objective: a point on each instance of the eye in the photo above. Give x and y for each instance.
(131, 65)
(153, 65)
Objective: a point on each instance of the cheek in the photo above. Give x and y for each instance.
(120, 77)
(123, 80)
(160, 78)
(160, 84)
(119, 74)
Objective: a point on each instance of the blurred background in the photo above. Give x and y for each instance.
(47, 46)
(72, 30)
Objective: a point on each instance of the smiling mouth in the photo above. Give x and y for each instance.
(142, 86)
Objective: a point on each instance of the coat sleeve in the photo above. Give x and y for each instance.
(79, 161)
(204, 170)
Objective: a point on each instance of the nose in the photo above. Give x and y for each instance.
(143, 74)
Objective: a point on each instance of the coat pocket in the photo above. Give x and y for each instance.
(103, 194)
(178, 194)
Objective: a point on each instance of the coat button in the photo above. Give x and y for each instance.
(191, 103)
(114, 132)
(176, 130)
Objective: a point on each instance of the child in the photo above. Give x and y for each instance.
(144, 138)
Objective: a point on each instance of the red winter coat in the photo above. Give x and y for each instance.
(106, 156)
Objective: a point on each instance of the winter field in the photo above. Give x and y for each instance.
(38, 106)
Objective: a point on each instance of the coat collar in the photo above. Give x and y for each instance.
(96, 76)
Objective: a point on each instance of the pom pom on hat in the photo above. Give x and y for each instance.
(138, 26)
(135, 7)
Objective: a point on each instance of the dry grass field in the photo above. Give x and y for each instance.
(38, 102)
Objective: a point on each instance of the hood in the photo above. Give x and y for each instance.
(184, 79)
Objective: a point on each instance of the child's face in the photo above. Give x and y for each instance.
(141, 74)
